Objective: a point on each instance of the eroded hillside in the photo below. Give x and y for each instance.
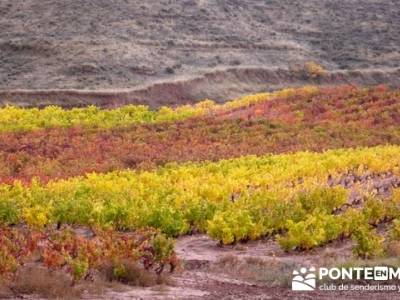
(94, 44)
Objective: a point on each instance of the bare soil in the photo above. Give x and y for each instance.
(256, 270)
(219, 85)
(149, 45)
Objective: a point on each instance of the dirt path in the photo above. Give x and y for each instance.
(256, 270)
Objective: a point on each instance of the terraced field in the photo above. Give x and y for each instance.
(85, 191)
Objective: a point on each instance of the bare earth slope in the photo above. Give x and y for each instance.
(92, 44)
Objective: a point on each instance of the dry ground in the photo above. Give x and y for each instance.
(256, 270)
(101, 44)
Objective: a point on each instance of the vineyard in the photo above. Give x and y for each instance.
(285, 121)
(302, 167)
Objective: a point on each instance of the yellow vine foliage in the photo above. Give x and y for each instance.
(20, 119)
(177, 197)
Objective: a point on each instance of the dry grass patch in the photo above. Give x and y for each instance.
(265, 272)
(45, 283)
(48, 284)
(131, 273)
